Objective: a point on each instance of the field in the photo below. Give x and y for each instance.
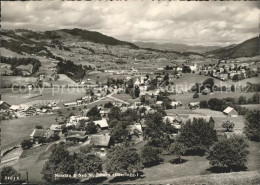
(188, 97)
(16, 130)
(252, 106)
(8, 81)
(55, 93)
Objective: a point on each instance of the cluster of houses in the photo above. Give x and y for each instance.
(226, 70)
(21, 111)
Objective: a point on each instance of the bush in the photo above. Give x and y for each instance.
(204, 104)
(196, 95)
(228, 125)
(229, 153)
(252, 125)
(151, 156)
(26, 144)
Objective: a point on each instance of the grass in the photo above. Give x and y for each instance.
(64, 94)
(249, 178)
(239, 122)
(12, 80)
(252, 106)
(16, 130)
(188, 97)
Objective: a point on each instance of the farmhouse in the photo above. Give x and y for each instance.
(102, 124)
(100, 141)
(4, 105)
(135, 131)
(194, 105)
(70, 104)
(41, 133)
(231, 112)
(55, 128)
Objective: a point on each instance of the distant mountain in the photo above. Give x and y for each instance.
(248, 48)
(176, 47)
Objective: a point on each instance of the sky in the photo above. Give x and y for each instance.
(192, 23)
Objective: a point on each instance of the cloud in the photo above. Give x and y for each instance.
(194, 23)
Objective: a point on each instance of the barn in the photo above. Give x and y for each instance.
(230, 112)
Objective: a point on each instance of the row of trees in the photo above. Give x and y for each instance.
(120, 159)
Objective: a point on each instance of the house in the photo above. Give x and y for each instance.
(230, 112)
(26, 110)
(159, 103)
(176, 103)
(102, 124)
(100, 141)
(55, 128)
(70, 104)
(75, 120)
(4, 105)
(194, 105)
(76, 136)
(135, 131)
(105, 112)
(41, 133)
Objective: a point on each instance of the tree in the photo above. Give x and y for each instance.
(216, 104)
(228, 125)
(233, 88)
(88, 163)
(186, 69)
(178, 149)
(197, 135)
(119, 132)
(229, 153)
(196, 95)
(242, 100)
(38, 127)
(156, 131)
(137, 91)
(204, 104)
(60, 162)
(91, 128)
(252, 125)
(26, 144)
(236, 78)
(124, 160)
(208, 83)
(256, 98)
(151, 155)
(42, 140)
(115, 113)
(9, 174)
(108, 105)
(94, 114)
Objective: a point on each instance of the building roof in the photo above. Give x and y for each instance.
(100, 140)
(102, 123)
(41, 133)
(228, 110)
(75, 132)
(136, 128)
(14, 107)
(55, 127)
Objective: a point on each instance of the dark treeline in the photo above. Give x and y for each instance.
(15, 62)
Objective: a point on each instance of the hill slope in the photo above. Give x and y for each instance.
(176, 47)
(248, 48)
